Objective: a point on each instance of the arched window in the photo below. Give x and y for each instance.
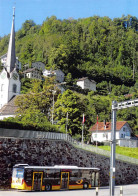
(14, 89)
(2, 87)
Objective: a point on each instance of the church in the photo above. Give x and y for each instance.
(10, 84)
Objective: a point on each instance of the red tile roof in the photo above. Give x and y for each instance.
(101, 126)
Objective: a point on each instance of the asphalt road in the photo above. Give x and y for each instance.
(128, 190)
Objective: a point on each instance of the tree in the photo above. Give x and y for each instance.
(37, 102)
(99, 105)
(71, 103)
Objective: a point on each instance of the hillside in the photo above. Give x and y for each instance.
(102, 49)
(98, 47)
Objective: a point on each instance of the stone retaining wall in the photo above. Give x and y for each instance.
(53, 152)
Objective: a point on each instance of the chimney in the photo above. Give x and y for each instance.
(104, 124)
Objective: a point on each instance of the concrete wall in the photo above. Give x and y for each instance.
(51, 152)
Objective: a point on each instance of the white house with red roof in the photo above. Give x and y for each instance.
(101, 132)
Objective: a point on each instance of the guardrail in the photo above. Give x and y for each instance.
(29, 134)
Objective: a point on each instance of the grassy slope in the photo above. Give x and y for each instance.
(131, 152)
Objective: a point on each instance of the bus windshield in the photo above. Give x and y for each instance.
(18, 173)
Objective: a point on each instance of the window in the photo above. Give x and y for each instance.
(122, 135)
(95, 135)
(74, 173)
(2, 87)
(14, 88)
(124, 129)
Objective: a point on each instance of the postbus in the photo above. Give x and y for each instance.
(46, 178)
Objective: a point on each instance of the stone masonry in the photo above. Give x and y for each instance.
(54, 152)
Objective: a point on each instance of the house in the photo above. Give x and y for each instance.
(4, 60)
(39, 65)
(33, 73)
(59, 75)
(85, 83)
(101, 132)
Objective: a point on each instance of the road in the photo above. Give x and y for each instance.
(128, 190)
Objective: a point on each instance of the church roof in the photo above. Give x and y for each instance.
(9, 108)
(11, 57)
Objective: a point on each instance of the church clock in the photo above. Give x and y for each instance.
(3, 75)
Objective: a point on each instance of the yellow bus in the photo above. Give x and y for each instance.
(46, 178)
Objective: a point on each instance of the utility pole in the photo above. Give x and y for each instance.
(113, 145)
(116, 106)
(66, 125)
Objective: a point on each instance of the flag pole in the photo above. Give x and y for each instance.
(66, 125)
(97, 131)
(96, 139)
(83, 120)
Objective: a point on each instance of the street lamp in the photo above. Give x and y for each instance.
(53, 91)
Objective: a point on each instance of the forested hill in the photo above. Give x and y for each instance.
(97, 47)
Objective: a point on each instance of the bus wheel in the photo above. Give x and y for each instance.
(48, 187)
(85, 185)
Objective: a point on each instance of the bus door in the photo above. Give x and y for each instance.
(64, 180)
(95, 179)
(37, 181)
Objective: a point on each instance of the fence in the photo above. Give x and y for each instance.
(128, 143)
(29, 134)
(107, 153)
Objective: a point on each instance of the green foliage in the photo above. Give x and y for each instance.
(98, 47)
(35, 105)
(99, 105)
(25, 85)
(102, 49)
(130, 152)
(71, 103)
(1, 67)
(18, 123)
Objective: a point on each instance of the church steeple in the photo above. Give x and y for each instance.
(11, 57)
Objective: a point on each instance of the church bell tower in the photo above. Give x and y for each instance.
(9, 78)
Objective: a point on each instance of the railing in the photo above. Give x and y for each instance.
(107, 153)
(29, 134)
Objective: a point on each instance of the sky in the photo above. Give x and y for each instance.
(39, 10)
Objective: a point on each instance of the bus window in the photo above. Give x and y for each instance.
(49, 174)
(18, 173)
(28, 175)
(85, 174)
(57, 174)
(74, 173)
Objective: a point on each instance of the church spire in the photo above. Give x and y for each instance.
(11, 57)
